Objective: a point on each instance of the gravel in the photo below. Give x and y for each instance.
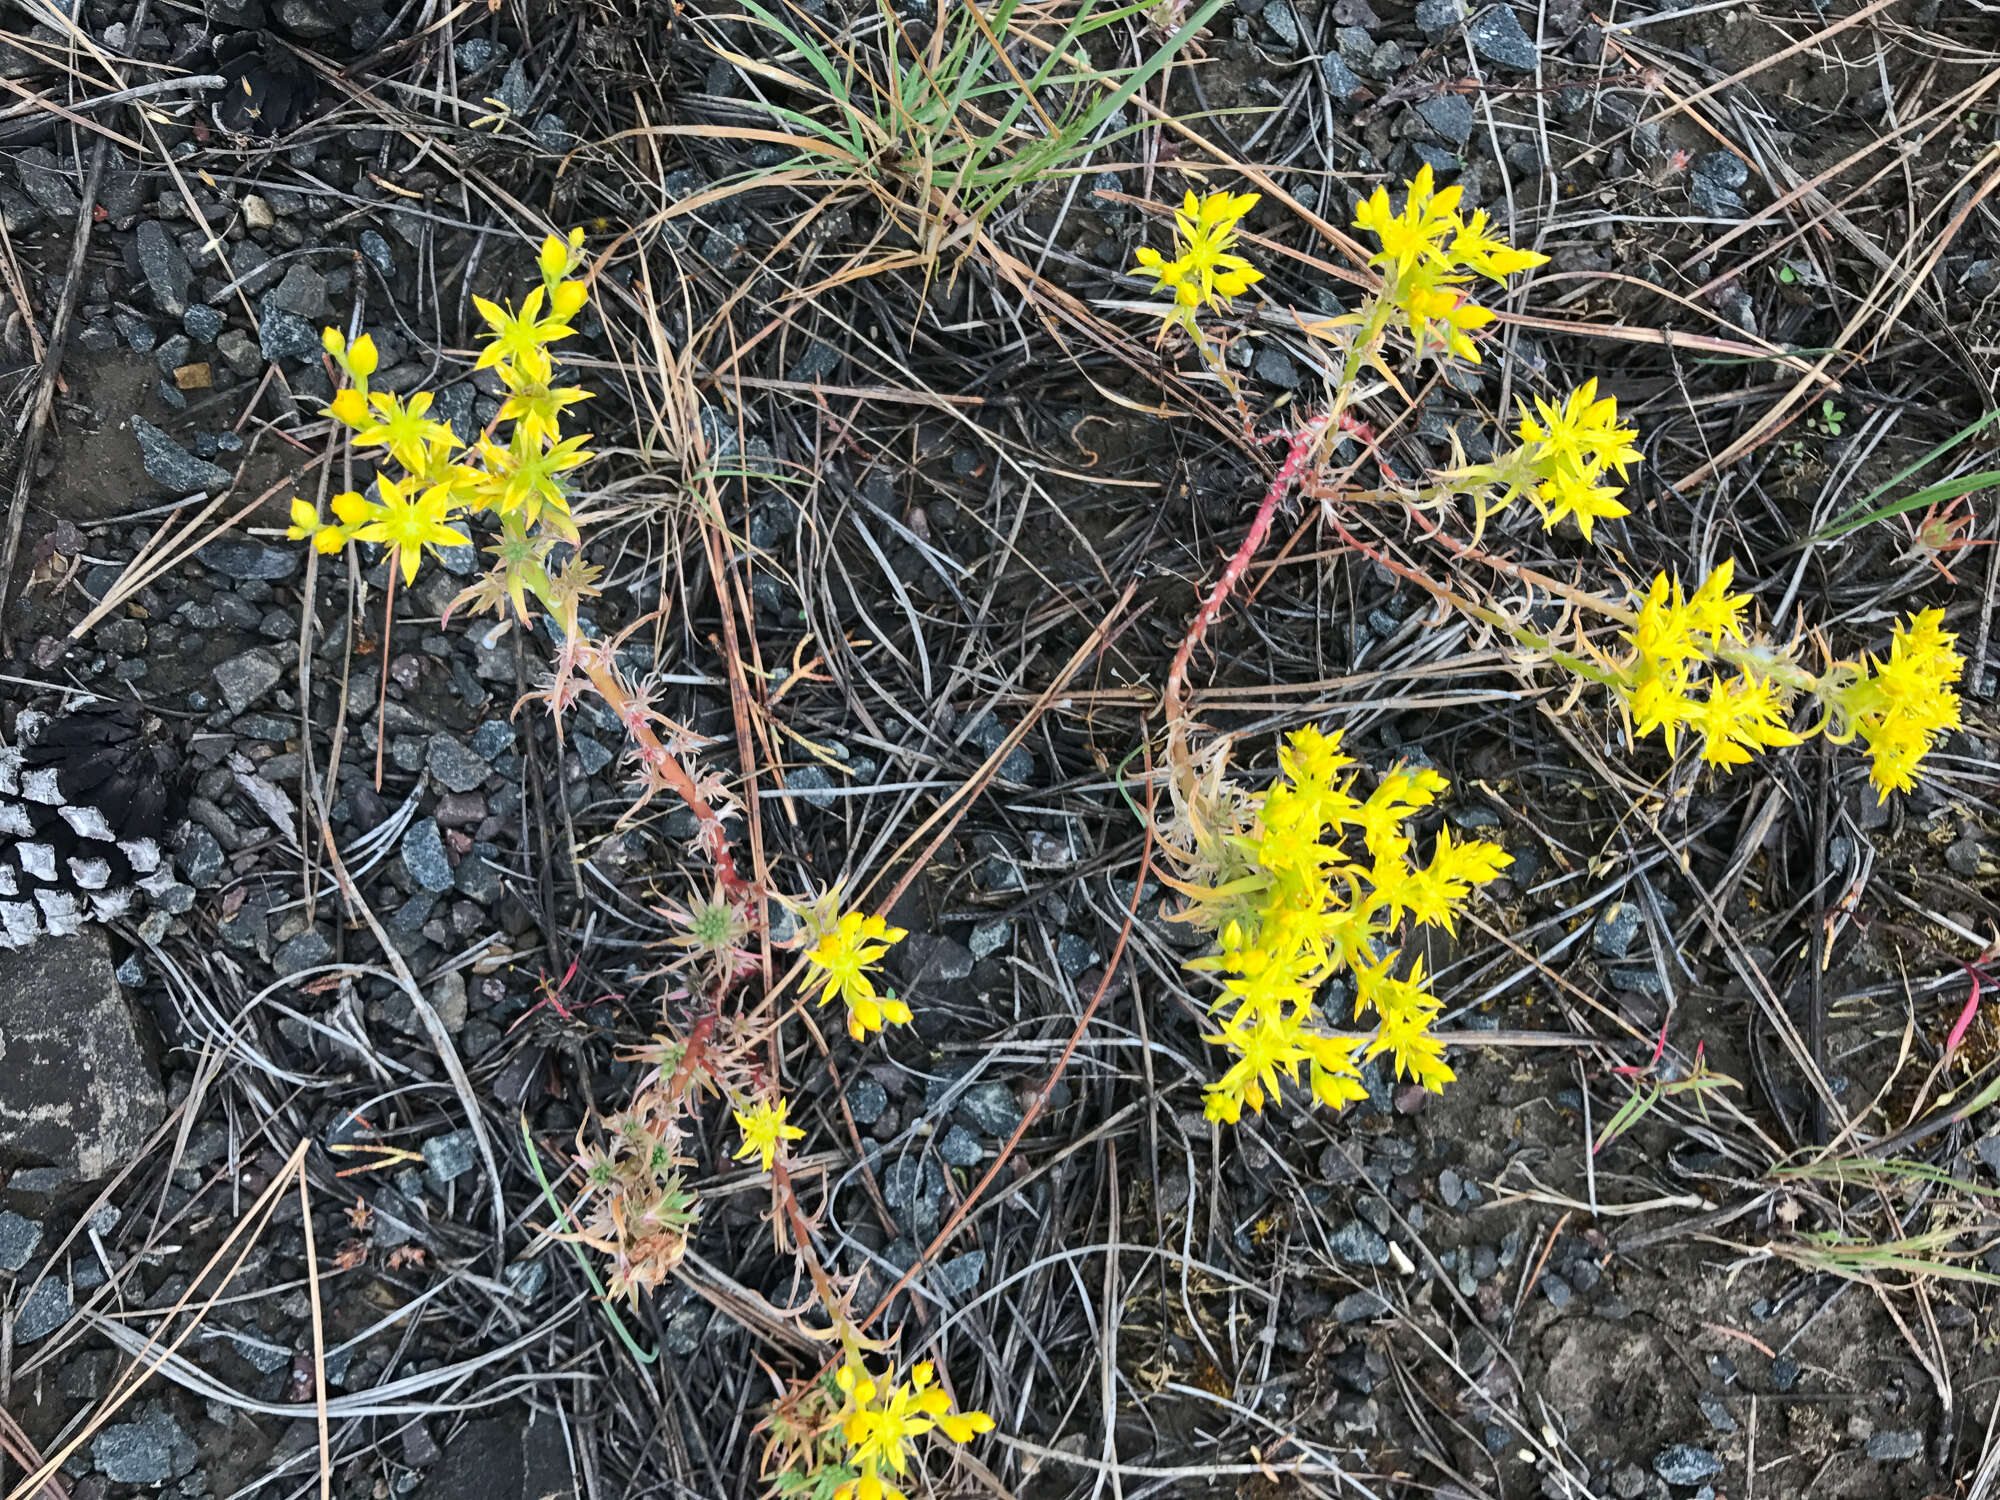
(1617, 925)
(424, 856)
(991, 1107)
(18, 1239)
(1359, 1245)
(1683, 1463)
(455, 766)
(244, 680)
(165, 268)
(45, 1310)
(174, 468)
(1895, 1447)
(1497, 36)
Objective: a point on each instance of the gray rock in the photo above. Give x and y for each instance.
(1559, 1292)
(18, 1240)
(134, 1453)
(514, 92)
(1683, 1463)
(1450, 115)
(455, 766)
(988, 938)
(1358, 1244)
(165, 268)
(931, 961)
(239, 351)
(1617, 925)
(1274, 367)
(1895, 1447)
(1359, 1307)
(866, 1099)
(423, 854)
(44, 1310)
(1628, 1482)
(1497, 36)
(1962, 858)
(77, 1089)
(451, 1156)
(44, 180)
(475, 55)
(450, 1000)
(1341, 80)
(1436, 17)
(959, 1148)
(1075, 954)
(511, 1459)
(1713, 183)
(303, 291)
(991, 1107)
(1282, 24)
(283, 334)
(172, 466)
(813, 784)
(308, 950)
(1638, 981)
(244, 680)
(202, 323)
(248, 560)
(494, 737)
(1716, 1410)
(959, 1275)
(201, 858)
(376, 248)
(306, 18)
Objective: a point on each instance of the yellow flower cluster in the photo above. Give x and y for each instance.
(1205, 271)
(846, 947)
(1670, 683)
(521, 482)
(1429, 255)
(1567, 450)
(1292, 905)
(880, 1420)
(1906, 702)
(1691, 666)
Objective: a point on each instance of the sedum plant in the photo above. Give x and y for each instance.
(1302, 883)
(634, 1206)
(1273, 874)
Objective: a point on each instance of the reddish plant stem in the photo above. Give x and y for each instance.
(1175, 698)
(664, 767)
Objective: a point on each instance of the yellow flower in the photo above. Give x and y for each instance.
(410, 522)
(307, 526)
(1427, 251)
(515, 334)
(1417, 238)
(350, 407)
(532, 402)
(1205, 271)
(1569, 449)
(403, 428)
(765, 1132)
(1740, 718)
(1907, 701)
(880, 1421)
(844, 954)
(558, 255)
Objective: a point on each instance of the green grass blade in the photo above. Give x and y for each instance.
(1860, 513)
(562, 1217)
